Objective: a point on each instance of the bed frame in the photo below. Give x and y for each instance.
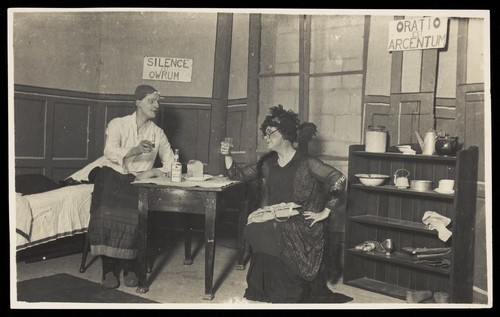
(53, 249)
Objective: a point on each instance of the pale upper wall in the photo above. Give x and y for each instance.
(103, 51)
(378, 70)
(446, 86)
(128, 37)
(57, 50)
(475, 51)
(239, 57)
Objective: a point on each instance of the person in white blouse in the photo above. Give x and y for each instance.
(134, 141)
(132, 144)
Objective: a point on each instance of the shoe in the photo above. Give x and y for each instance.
(110, 280)
(130, 268)
(130, 279)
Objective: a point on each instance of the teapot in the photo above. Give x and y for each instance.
(401, 178)
(446, 145)
(428, 143)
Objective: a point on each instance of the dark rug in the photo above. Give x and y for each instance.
(71, 289)
(332, 298)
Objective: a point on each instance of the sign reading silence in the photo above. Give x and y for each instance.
(167, 69)
(417, 34)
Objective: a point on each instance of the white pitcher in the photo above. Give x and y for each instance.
(428, 144)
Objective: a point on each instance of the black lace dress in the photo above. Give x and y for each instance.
(287, 256)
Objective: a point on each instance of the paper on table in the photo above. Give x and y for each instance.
(214, 182)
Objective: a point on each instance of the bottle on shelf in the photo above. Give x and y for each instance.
(176, 173)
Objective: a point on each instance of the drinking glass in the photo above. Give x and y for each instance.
(229, 143)
(151, 139)
(387, 246)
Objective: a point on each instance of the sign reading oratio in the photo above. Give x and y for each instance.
(167, 69)
(417, 34)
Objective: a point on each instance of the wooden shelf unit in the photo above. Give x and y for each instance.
(376, 213)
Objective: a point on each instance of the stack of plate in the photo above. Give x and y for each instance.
(406, 149)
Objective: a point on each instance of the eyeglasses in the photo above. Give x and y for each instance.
(268, 134)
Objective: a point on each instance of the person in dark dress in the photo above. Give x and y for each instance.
(287, 255)
(132, 144)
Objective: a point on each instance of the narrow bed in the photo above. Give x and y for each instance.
(52, 215)
(51, 218)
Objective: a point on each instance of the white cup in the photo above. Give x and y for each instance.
(446, 184)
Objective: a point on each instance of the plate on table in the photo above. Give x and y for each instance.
(199, 179)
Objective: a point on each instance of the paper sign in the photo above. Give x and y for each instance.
(167, 69)
(417, 34)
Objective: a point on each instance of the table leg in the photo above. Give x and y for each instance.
(188, 260)
(242, 220)
(143, 238)
(210, 217)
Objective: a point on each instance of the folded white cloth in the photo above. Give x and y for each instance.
(83, 174)
(279, 212)
(439, 223)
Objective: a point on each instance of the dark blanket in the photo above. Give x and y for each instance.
(114, 215)
(28, 184)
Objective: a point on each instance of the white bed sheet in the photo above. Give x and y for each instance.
(54, 214)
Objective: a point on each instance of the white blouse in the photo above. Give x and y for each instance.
(122, 135)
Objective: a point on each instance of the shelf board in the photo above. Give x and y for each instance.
(399, 259)
(379, 287)
(393, 223)
(404, 191)
(416, 157)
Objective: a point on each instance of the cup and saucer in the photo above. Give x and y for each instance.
(446, 187)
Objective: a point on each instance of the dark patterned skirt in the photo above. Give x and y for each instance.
(114, 215)
(273, 276)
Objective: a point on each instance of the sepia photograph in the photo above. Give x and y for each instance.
(180, 158)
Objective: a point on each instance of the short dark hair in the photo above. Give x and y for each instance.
(142, 91)
(286, 121)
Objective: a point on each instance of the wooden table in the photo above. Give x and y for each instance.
(189, 200)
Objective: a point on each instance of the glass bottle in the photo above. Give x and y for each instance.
(176, 174)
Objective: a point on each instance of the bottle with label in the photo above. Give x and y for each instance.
(176, 174)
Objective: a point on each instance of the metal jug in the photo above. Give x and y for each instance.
(401, 178)
(428, 143)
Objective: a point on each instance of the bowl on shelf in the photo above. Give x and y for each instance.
(372, 179)
(421, 185)
(406, 149)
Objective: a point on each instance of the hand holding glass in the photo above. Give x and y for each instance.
(226, 145)
(145, 146)
(151, 140)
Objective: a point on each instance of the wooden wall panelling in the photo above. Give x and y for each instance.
(376, 112)
(237, 114)
(409, 113)
(253, 87)
(70, 136)
(187, 127)
(220, 91)
(304, 65)
(30, 116)
(469, 101)
(59, 134)
(445, 116)
(51, 134)
(470, 120)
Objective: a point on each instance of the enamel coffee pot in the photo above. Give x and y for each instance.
(428, 144)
